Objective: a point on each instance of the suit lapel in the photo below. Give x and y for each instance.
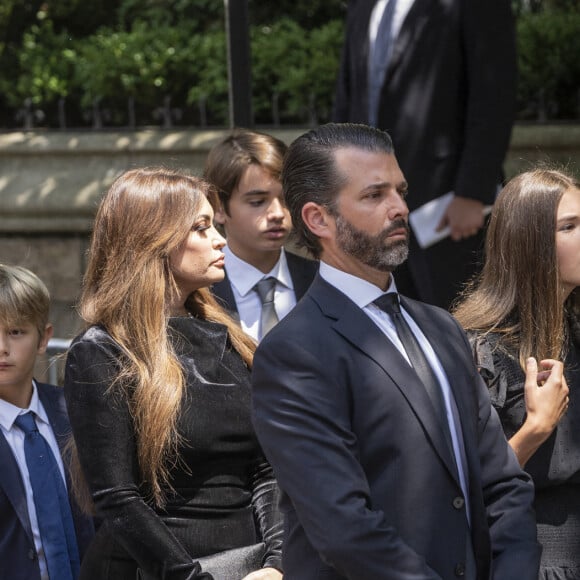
(450, 353)
(58, 419)
(363, 20)
(12, 485)
(358, 37)
(411, 29)
(356, 327)
(54, 407)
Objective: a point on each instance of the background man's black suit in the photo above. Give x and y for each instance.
(448, 103)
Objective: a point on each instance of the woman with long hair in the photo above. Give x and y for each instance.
(158, 390)
(523, 316)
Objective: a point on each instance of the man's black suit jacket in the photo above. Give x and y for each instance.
(302, 272)
(369, 487)
(448, 103)
(18, 559)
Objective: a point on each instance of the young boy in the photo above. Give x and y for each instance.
(263, 282)
(42, 532)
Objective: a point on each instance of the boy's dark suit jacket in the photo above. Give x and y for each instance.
(18, 559)
(302, 272)
(369, 485)
(448, 103)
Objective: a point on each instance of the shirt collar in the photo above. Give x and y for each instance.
(361, 292)
(9, 412)
(244, 276)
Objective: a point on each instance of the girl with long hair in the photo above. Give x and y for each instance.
(523, 316)
(158, 390)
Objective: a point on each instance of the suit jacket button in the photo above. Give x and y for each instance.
(458, 503)
(460, 569)
(31, 554)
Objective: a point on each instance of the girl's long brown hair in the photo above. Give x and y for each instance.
(127, 288)
(518, 293)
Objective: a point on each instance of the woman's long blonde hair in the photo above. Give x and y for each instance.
(519, 294)
(127, 288)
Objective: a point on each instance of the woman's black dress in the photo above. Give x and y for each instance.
(555, 467)
(225, 495)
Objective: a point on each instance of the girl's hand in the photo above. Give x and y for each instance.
(546, 396)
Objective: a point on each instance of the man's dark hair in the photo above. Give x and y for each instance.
(309, 172)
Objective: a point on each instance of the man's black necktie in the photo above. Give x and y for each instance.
(51, 502)
(389, 303)
(266, 289)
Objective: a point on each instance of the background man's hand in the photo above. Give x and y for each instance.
(464, 217)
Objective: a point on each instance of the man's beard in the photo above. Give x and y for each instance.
(373, 251)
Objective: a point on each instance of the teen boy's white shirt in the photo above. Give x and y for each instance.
(15, 439)
(243, 277)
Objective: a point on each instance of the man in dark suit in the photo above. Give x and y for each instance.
(263, 282)
(33, 528)
(392, 463)
(440, 77)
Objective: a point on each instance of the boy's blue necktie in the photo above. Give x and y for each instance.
(51, 501)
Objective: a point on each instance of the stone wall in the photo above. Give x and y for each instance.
(51, 182)
(533, 144)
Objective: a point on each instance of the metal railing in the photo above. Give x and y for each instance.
(56, 347)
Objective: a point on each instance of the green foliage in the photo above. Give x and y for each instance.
(202, 15)
(138, 63)
(308, 15)
(15, 18)
(205, 63)
(549, 67)
(108, 51)
(46, 63)
(297, 66)
(534, 6)
(277, 51)
(323, 62)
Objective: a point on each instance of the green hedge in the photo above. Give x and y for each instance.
(549, 65)
(293, 68)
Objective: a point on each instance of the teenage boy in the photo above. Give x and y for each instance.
(263, 282)
(42, 531)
